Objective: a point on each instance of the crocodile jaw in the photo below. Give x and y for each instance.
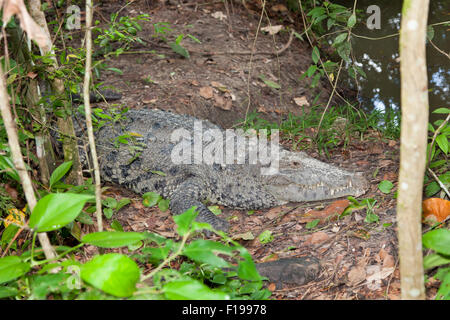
(301, 178)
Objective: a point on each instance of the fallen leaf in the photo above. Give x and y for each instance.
(262, 109)
(218, 15)
(435, 209)
(279, 8)
(375, 275)
(222, 103)
(391, 176)
(330, 212)
(32, 75)
(392, 143)
(272, 286)
(219, 86)
(272, 29)
(357, 275)
(206, 92)
(302, 101)
(149, 101)
(244, 236)
(317, 237)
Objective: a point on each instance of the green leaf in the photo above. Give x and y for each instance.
(122, 203)
(435, 260)
(108, 212)
(185, 220)
(315, 55)
(442, 110)
(312, 224)
(163, 204)
(330, 23)
(12, 267)
(113, 273)
(215, 209)
(115, 70)
(351, 21)
(160, 173)
(312, 68)
(246, 268)
(343, 50)
(438, 240)
(113, 239)
(430, 33)
(60, 172)
(116, 225)
(265, 236)
(179, 49)
(270, 83)
(6, 292)
(340, 38)
(55, 210)
(444, 290)
(432, 189)
(385, 186)
(7, 166)
(442, 142)
(192, 290)
(150, 199)
(204, 251)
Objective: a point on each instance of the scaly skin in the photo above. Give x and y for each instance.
(240, 186)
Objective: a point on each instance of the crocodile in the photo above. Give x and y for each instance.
(142, 152)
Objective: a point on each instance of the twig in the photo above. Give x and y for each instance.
(251, 59)
(87, 109)
(439, 182)
(331, 97)
(439, 50)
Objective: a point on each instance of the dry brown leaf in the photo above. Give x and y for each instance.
(34, 31)
(279, 8)
(206, 92)
(301, 101)
(317, 237)
(272, 29)
(32, 75)
(219, 86)
(435, 209)
(391, 176)
(392, 143)
(333, 210)
(222, 103)
(357, 275)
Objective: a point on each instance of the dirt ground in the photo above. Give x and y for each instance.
(359, 260)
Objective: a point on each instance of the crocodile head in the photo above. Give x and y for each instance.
(301, 178)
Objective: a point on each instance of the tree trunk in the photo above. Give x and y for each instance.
(414, 104)
(31, 97)
(65, 125)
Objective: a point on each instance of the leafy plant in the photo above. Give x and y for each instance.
(439, 241)
(121, 30)
(437, 153)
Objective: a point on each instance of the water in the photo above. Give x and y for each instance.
(379, 58)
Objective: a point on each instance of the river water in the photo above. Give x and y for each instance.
(380, 90)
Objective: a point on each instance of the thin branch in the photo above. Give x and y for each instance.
(87, 109)
(439, 182)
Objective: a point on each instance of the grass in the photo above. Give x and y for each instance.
(339, 124)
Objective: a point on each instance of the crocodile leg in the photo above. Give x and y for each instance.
(190, 193)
